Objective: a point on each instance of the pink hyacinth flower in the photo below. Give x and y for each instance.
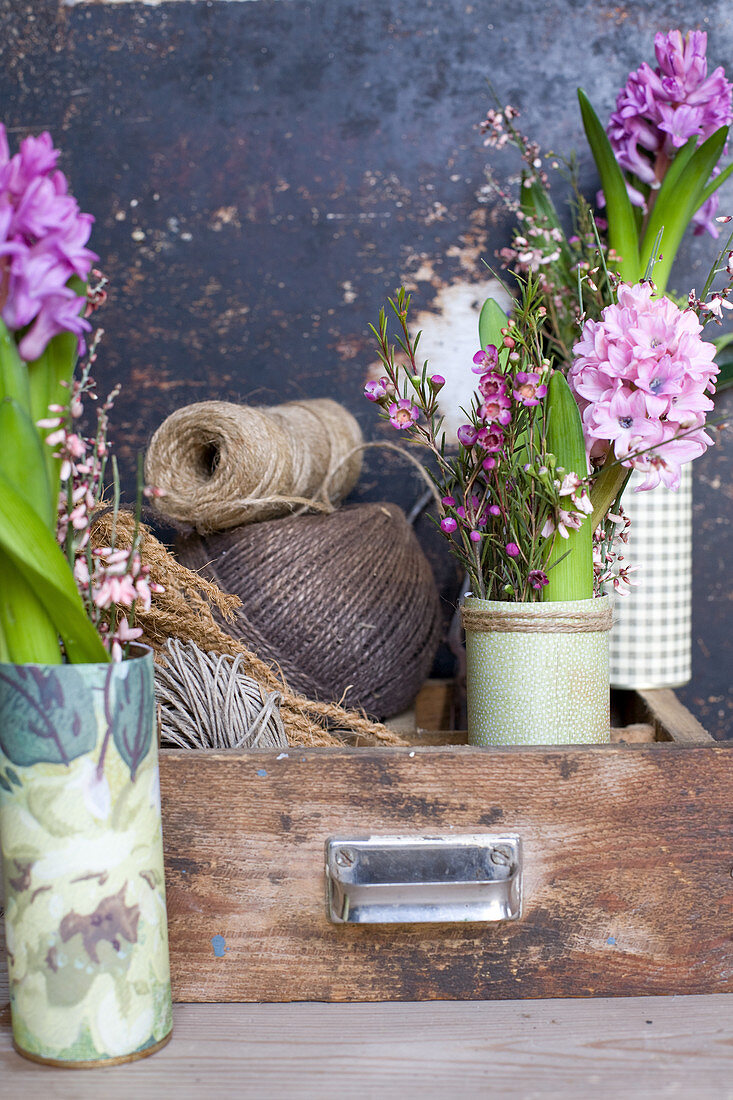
(43, 238)
(659, 110)
(641, 374)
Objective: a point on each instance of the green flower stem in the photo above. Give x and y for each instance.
(608, 487)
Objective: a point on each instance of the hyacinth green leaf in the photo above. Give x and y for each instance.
(28, 633)
(13, 371)
(622, 231)
(492, 320)
(679, 198)
(32, 548)
(713, 186)
(22, 459)
(569, 565)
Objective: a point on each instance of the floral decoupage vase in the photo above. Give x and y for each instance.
(80, 831)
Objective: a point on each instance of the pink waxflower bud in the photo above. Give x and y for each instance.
(448, 525)
(436, 382)
(512, 549)
(375, 391)
(467, 435)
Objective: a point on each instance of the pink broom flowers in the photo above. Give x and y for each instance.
(640, 375)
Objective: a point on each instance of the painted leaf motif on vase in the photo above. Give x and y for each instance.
(45, 717)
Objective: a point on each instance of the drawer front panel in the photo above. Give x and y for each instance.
(627, 854)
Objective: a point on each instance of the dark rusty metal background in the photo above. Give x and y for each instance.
(263, 172)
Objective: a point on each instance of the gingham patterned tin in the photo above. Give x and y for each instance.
(651, 639)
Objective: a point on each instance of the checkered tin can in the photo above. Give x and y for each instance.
(651, 639)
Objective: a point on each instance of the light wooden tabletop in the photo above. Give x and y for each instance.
(651, 1047)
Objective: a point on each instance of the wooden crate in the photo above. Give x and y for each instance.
(628, 857)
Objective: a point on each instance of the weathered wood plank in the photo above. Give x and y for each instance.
(640, 1048)
(671, 720)
(638, 733)
(627, 882)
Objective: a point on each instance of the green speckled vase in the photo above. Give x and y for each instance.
(537, 687)
(81, 839)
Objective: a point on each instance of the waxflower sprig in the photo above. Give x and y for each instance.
(506, 501)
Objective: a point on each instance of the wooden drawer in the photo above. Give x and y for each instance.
(627, 848)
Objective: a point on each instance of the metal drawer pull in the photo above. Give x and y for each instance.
(411, 879)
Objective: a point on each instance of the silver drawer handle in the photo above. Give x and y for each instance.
(413, 879)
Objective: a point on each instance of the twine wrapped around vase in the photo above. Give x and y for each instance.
(345, 604)
(221, 465)
(184, 610)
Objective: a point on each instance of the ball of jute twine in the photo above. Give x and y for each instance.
(345, 604)
(184, 610)
(206, 701)
(595, 617)
(222, 465)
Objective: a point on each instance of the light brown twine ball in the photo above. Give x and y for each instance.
(223, 465)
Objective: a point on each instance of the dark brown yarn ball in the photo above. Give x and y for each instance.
(340, 601)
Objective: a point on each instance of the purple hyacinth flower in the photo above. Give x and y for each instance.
(659, 110)
(43, 239)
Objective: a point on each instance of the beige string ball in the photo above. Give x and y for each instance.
(222, 465)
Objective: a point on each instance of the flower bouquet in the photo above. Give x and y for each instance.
(79, 805)
(658, 162)
(595, 375)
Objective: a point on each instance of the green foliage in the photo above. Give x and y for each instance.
(680, 196)
(622, 226)
(39, 601)
(570, 561)
(492, 320)
(32, 548)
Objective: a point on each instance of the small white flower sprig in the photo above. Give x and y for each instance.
(504, 498)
